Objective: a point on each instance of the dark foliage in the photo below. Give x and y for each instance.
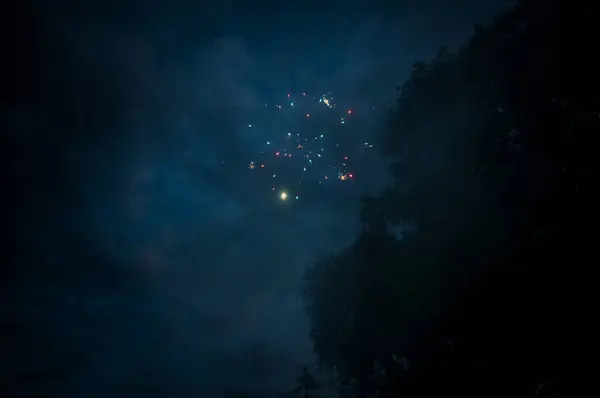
(307, 384)
(494, 158)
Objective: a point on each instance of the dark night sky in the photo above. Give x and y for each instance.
(148, 259)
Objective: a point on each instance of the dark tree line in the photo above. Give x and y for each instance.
(494, 154)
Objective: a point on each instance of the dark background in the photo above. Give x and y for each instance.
(141, 257)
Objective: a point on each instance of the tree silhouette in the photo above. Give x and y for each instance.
(494, 159)
(307, 384)
(347, 329)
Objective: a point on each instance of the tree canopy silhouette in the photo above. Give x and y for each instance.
(307, 384)
(493, 152)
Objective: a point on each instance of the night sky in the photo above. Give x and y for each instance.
(152, 254)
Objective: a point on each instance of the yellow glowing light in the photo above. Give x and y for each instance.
(283, 195)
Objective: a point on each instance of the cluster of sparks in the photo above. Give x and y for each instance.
(308, 151)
